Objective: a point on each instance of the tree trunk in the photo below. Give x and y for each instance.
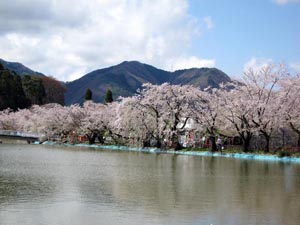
(298, 142)
(92, 138)
(91, 141)
(246, 141)
(146, 144)
(298, 133)
(100, 138)
(175, 143)
(246, 144)
(213, 143)
(177, 146)
(158, 143)
(267, 145)
(246, 137)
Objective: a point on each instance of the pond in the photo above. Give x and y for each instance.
(58, 185)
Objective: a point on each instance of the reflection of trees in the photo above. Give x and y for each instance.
(258, 190)
(195, 186)
(155, 183)
(228, 191)
(266, 195)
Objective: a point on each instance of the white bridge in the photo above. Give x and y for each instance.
(19, 135)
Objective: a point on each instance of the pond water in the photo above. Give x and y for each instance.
(57, 185)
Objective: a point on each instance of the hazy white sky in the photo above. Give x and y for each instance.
(67, 39)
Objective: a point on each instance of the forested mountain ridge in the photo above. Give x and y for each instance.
(12, 94)
(21, 91)
(125, 78)
(200, 77)
(19, 68)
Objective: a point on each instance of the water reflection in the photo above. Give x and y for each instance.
(42, 185)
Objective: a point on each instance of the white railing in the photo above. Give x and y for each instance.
(18, 134)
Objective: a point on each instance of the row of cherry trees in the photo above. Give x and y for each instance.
(263, 102)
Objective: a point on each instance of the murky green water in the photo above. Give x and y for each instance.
(72, 186)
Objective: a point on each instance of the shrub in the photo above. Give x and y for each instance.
(284, 153)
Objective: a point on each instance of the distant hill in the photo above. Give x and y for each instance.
(19, 68)
(202, 77)
(124, 79)
(38, 88)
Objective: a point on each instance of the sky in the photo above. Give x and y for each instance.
(67, 39)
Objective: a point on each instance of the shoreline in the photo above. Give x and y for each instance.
(252, 156)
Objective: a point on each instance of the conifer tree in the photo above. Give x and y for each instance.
(34, 89)
(11, 91)
(108, 96)
(88, 95)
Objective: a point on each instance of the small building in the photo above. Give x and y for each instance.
(82, 138)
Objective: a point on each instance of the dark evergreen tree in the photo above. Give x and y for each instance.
(20, 97)
(5, 90)
(108, 96)
(34, 89)
(11, 91)
(88, 95)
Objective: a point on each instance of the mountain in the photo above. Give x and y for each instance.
(38, 88)
(19, 68)
(202, 77)
(125, 78)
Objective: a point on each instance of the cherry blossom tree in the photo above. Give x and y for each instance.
(238, 112)
(168, 106)
(93, 121)
(264, 87)
(290, 100)
(254, 106)
(54, 120)
(154, 114)
(131, 124)
(8, 120)
(48, 120)
(264, 101)
(206, 110)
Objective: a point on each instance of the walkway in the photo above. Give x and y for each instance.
(19, 135)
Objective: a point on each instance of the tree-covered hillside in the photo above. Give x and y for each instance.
(12, 94)
(19, 68)
(124, 80)
(21, 92)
